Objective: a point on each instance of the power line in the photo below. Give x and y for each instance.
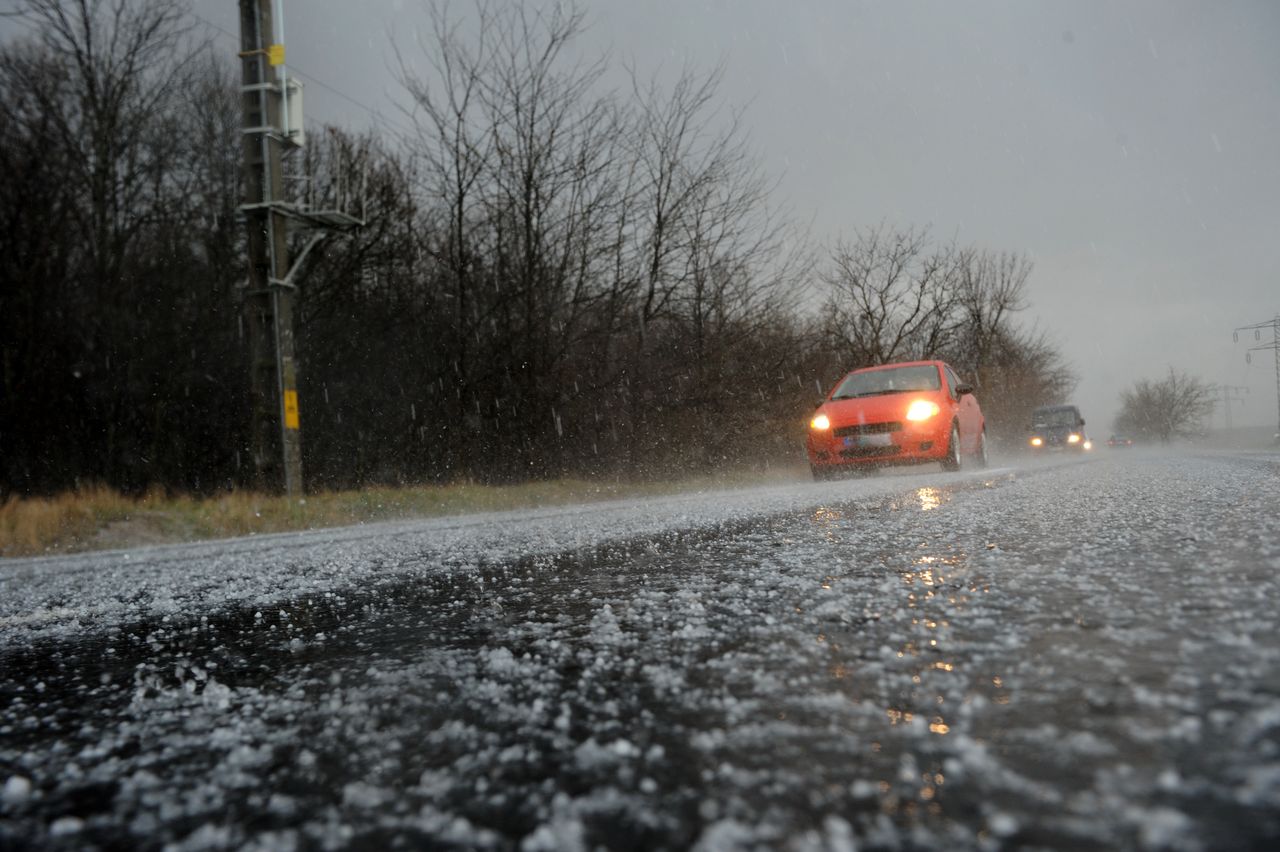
(311, 78)
(376, 114)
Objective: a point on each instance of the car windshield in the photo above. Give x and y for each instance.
(1048, 417)
(894, 380)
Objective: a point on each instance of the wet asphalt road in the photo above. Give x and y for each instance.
(1070, 655)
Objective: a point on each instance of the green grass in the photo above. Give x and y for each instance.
(97, 517)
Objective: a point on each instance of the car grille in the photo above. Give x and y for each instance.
(870, 452)
(868, 429)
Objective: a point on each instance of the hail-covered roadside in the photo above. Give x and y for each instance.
(1070, 655)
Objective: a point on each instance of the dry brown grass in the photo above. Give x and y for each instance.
(95, 518)
(40, 524)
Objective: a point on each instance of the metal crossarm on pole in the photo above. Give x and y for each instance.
(1274, 346)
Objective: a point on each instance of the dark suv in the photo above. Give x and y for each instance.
(1058, 427)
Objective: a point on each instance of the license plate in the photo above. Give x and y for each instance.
(881, 440)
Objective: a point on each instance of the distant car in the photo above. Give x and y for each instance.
(1121, 441)
(1058, 427)
(906, 413)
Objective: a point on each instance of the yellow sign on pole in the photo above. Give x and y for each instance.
(275, 54)
(291, 409)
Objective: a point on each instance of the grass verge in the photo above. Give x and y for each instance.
(99, 518)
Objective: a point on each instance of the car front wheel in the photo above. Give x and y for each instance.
(981, 455)
(952, 459)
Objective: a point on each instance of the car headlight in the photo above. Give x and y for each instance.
(1073, 438)
(1088, 445)
(821, 423)
(1035, 442)
(922, 409)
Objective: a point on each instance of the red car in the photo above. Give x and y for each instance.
(906, 413)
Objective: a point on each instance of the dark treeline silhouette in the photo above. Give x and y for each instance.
(550, 280)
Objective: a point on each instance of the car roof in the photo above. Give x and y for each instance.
(1057, 408)
(900, 364)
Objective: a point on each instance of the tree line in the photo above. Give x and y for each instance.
(551, 279)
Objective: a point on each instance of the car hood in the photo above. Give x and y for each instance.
(874, 409)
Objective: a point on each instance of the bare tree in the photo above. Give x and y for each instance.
(553, 191)
(519, 159)
(991, 288)
(680, 161)
(39, 323)
(1173, 407)
(892, 296)
(453, 148)
(116, 142)
(113, 130)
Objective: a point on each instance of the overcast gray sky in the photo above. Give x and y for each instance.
(1131, 149)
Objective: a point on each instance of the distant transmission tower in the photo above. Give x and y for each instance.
(1230, 394)
(1274, 346)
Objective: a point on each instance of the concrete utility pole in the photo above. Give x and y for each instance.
(275, 426)
(273, 123)
(1274, 345)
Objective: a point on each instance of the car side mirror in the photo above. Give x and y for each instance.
(963, 388)
(1081, 421)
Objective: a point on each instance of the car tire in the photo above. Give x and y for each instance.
(951, 461)
(981, 455)
(820, 474)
